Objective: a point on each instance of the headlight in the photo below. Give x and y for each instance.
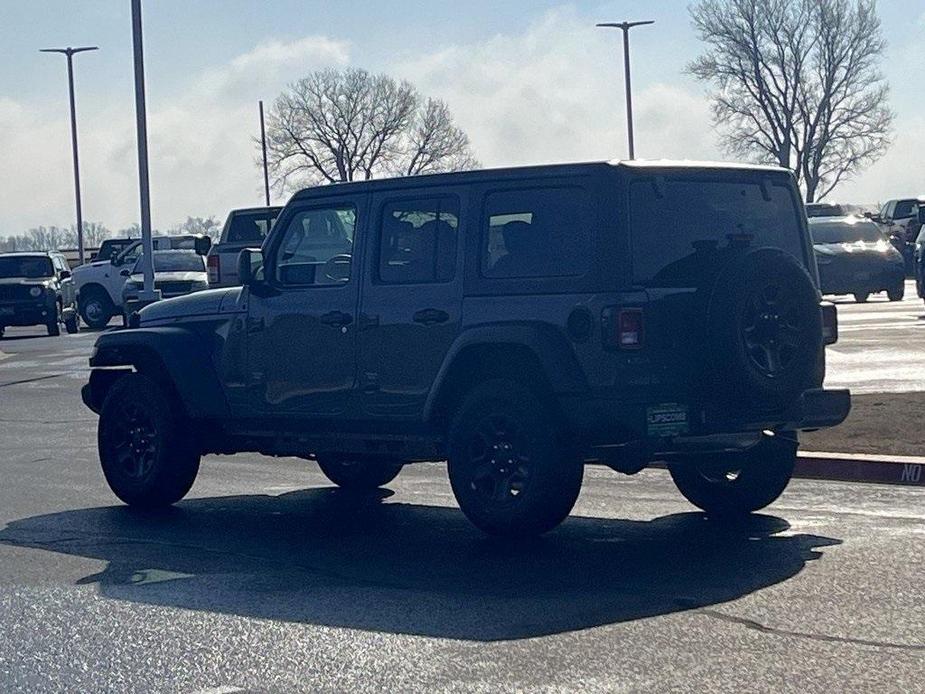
(36, 292)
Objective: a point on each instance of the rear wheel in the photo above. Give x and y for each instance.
(359, 474)
(861, 297)
(96, 309)
(147, 453)
(897, 292)
(735, 484)
(71, 324)
(510, 470)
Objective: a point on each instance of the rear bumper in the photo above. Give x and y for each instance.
(600, 421)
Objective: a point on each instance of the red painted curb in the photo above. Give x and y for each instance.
(905, 471)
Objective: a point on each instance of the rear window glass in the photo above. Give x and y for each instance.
(537, 232)
(682, 227)
(175, 261)
(845, 232)
(250, 227)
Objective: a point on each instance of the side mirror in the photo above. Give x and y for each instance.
(250, 267)
(65, 274)
(126, 272)
(202, 245)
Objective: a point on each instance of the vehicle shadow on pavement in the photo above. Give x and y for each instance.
(328, 557)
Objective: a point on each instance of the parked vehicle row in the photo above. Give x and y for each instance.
(37, 289)
(517, 323)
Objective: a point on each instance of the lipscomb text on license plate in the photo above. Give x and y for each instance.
(667, 419)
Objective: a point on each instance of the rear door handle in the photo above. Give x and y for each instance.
(431, 316)
(336, 318)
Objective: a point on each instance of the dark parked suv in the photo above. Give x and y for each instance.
(36, 289)
(518, 323)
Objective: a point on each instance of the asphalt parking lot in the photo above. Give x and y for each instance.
(268, 579)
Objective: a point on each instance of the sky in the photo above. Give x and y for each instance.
(530, 82)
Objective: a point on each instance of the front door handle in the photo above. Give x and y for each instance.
(431, 316)
(338, 319)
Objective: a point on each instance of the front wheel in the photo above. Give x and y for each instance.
(736, 484)
(54, 326)
(148, 456)
(896, 293)
(96, 309)
(510, 469)
(359, 474)
(71, 324)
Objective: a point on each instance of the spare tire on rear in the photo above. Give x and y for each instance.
(764, 330)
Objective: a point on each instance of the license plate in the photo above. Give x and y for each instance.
(6, 310)
(667, 419)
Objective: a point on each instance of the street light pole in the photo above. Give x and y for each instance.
(626, 26)
(263, 144)
(70, 52)
(149, 293)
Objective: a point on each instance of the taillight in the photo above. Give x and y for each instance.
(215, 269)
(829, 323)
(623, 328)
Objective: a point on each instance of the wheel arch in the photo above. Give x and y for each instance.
(536, 357)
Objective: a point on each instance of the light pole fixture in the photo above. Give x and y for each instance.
(70, 53)
(626, 26)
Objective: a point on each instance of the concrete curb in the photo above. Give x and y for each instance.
(907, 471)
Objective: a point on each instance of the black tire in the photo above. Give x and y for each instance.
(896, 293)
(736, 484)
(764, 330)
(509, 467)
(72, 325)
(359, 474)
(861, 297)
(147, 454)
(54, 327)
(96, 309)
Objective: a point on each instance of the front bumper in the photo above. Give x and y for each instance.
(24, 313)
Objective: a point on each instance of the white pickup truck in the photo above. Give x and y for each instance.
(244, 228)
(99, 283)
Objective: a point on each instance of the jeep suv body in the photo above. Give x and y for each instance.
(36, 289)
(517, 323)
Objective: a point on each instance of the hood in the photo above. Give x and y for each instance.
(882, 249)
(80, 269)
(174, 277)
(28, 281)
(211, 302)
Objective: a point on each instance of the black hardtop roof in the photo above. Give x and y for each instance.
(533, 171)
(259, 208)
(29, 254)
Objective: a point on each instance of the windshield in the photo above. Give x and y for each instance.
(250, 227)
(30, 267)
(175, 261)
(845, 232)
(683, 225)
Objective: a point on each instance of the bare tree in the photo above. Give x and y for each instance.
(209, 226)
(797, 84)
(350, 125)
(94, 233)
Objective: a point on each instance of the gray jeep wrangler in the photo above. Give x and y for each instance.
(518, 323)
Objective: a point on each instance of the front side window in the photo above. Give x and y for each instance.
(683, 228)
(417, 240)
(317, 247)
(536, 232)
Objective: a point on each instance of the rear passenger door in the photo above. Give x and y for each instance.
(411, 298)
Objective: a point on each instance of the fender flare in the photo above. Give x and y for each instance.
(183, 357)
(551, 348)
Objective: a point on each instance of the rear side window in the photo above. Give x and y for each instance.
(683, 227)
(417, 240)
(537, 232)
(250, 227)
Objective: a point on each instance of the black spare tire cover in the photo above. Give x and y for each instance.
(764, 330)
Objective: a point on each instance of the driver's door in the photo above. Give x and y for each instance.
(301, 322)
